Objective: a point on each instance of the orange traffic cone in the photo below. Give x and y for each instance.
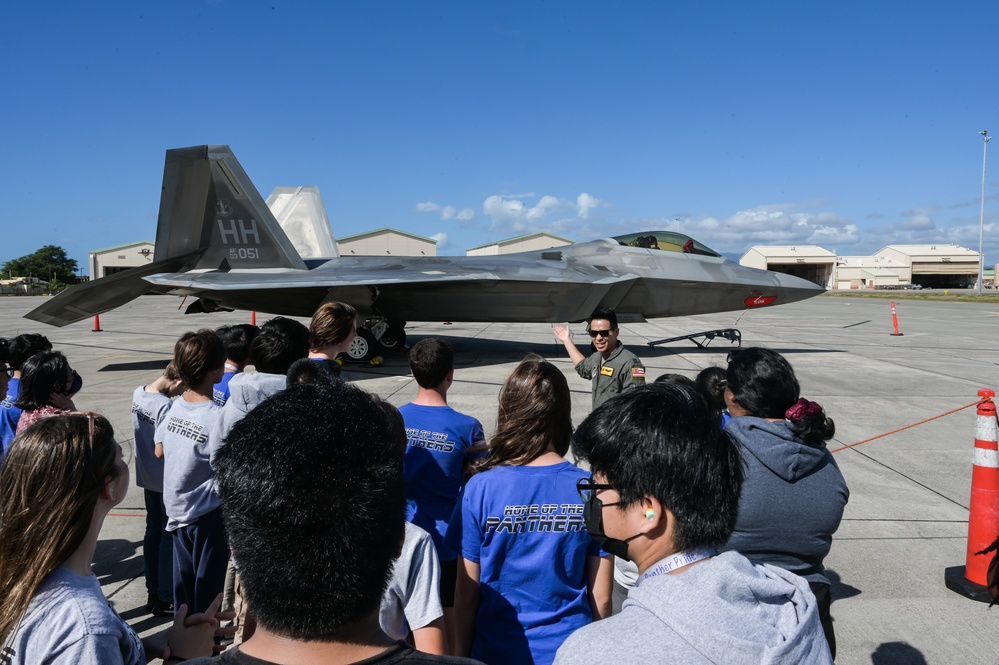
(97, 323)
(969, 580)
(253, 318)
(894, 320)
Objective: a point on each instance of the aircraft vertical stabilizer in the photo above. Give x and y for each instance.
(208, 203)
(302, 216)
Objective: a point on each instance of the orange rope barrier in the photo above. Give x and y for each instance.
(901, 429)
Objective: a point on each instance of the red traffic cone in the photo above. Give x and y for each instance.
(969, 580)
(253, 318)
(97, 323)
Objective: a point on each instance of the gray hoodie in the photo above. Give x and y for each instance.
(792, 499)
(723, 610)
(247, 390)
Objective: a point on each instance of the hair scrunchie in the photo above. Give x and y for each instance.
(801, 409)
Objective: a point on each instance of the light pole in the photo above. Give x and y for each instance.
(981, 224)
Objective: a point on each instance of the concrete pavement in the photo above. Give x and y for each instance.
(907, 516)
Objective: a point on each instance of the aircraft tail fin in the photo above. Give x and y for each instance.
(210, 206)
(211, 218)
(302, 216)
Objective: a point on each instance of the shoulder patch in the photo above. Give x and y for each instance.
(637, 372)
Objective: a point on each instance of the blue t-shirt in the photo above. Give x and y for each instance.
(524, 526)
(439, 438)
(220, 393)
(9, 414)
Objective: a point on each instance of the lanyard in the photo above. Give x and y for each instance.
(678, 560)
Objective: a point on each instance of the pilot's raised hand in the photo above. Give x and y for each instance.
(563, 334)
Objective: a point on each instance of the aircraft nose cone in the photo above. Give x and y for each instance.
(796, 288)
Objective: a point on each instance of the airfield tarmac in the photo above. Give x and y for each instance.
(907, 517)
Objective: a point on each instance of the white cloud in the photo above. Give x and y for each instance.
(585, 203)
(447, 212)
(441, 239)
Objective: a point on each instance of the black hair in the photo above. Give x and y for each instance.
(41, 375)
(430, 360)
(605, 313)
(313, 499)
(676, 378)
(280, 343)
(237, 339)
(313, 370)
(24, 346)
(4, 350)
(763, 383)
(711, 384)
(661, 440)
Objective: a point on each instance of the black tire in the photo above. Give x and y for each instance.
(395, 336)
(363, 346)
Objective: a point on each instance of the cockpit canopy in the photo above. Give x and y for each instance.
(666, 241)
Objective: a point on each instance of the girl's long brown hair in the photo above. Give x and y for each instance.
(49, 484)
(535, 410)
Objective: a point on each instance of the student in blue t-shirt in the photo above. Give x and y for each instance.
(19, 350)
(529, 573)
(438, 441)
(237, 340)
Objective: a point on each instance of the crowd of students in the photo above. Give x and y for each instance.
(303, 519)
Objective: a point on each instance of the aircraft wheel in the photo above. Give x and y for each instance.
(363, 346)
(395, 337)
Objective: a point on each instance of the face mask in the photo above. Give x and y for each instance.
(77, 384)
(593, 518)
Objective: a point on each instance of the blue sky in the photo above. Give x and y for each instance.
(850, 125)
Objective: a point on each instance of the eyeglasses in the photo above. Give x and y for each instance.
(588, 489)
(600, 333)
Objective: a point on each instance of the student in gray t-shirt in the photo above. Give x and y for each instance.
(187, 440)
(150, 405)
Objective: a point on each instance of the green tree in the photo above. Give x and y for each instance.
(48, 262)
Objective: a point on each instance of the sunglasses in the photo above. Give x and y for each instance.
(588, 489)
(600, 333)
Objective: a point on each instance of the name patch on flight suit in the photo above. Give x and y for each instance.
(606, 371)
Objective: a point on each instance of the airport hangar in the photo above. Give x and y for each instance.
(939, 266)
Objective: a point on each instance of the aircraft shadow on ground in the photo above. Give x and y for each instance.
(484, 352)
(141, 365)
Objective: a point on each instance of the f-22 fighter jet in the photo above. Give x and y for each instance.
(217, 240)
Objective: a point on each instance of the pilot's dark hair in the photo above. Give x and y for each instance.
(313, 370)
(41, 375)
(711, 383)
(280, 343)
(605, 313)
(198, 354)
(430, 360)
(237, 339)
(763, 383)
(26, 345)
(313, 499)
(661, 440)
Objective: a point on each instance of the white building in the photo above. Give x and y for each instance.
(871, 272)
(386, 242)
(939, 266)
(104, 262)
(525, 243)
(811, 262)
